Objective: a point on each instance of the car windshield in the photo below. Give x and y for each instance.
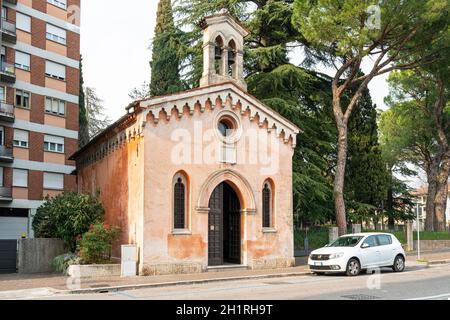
(346, 242)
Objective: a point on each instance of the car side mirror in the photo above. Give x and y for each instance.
(365, 245)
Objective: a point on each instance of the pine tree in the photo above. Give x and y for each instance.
(97, 121)
(165, 64)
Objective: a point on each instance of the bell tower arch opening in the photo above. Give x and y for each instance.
(223, 50)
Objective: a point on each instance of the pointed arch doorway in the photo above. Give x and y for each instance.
(224, 226)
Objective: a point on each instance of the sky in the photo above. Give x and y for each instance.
(115, 42)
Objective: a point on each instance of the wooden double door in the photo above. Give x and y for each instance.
(224, 227)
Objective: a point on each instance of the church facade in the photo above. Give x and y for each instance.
(199, 179)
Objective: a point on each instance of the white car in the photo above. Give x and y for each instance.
(353, 253)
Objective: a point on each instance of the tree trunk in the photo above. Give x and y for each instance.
(390, 207)
(339, 179)
(432, 188)
(440, 199)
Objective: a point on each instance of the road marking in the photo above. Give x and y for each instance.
(431, 297)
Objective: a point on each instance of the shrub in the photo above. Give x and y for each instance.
(61, 263)
(95, 246)
(67, 216)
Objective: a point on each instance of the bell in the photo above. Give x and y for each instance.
(231, 57)
(218, 53)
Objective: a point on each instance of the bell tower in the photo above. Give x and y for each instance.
(223, 50)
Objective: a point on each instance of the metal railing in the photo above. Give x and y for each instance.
(5, 193)
(7, 68)
(6, 152)
(6, 109)
(8, 26)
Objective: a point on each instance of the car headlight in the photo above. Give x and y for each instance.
(336, 255)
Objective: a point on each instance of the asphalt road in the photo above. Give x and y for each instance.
(431, 283)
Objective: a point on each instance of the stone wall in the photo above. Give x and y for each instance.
(432, 244)
(36, 255)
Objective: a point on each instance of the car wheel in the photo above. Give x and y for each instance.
(399, 264)
(353, 268)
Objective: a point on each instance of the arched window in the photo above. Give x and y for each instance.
(218, 52)
(231, 59)
(179, 202)
(267, 200)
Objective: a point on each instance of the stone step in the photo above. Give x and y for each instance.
(225, 268)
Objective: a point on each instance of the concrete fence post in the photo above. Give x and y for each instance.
(356, 228)
(333, 234)
(409, 236)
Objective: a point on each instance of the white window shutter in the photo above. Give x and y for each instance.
(23, 22)
(55, 69)
(53, 181)
(22, 60)
(53, 139)
(20, 178)
(21, 135)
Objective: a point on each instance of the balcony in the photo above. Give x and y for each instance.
(7, 72)
(10, 1)
(6, 112)
(6, 154)
(5, 194)
(8, 31)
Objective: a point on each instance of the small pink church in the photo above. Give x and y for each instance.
(200, 179)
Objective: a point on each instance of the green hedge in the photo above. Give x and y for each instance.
(424, 235)
(318, 237)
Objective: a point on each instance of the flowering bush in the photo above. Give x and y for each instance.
(94, 247)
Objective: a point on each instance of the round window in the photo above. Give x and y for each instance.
(226, 127)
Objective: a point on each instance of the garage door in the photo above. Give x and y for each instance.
(11, 229)
(8, 256)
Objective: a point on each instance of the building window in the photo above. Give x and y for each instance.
(2, 135)
(23, 22)
(22, 99)
(55, 106)
(55, 70)
(2, 94)
(22, 61)
(20, 138)
(53, 144)
(227, 128)
(1, 176)
(180, 197)
(56, 34)
(20, 178)
(53, 181)
(267, 205)
(62, 4)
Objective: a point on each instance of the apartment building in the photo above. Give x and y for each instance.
(39, 89)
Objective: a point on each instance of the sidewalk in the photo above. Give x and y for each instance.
(59, 283)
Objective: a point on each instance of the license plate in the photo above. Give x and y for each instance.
(318, 264)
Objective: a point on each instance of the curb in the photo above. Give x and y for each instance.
(438, 262)
(179, 283)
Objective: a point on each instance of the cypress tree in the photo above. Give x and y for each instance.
(165, 64)
(82, 120)
(366, 176)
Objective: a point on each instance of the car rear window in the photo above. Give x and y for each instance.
(384, 240)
